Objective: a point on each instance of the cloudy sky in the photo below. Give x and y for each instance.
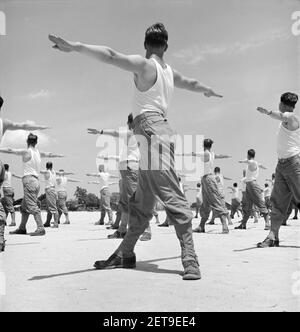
(244, 49)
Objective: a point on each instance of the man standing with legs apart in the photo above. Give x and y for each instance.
(8, 196)
(5, 125)
(154, 83)
(103, 182)
(253, 193)
(235, 200)
(213, 199)
(31, 158)
(287, 176)
(51, 194)
(62, 195)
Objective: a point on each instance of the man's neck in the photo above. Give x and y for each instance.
(154, 54)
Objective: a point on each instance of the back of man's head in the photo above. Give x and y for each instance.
(289, 99)
(156, 36)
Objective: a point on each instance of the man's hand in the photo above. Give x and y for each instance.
(211, 93)
(93, 131)
(263, 110)
(102, 156)
(61, 44)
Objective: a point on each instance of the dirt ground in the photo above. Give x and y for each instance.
(55, 272)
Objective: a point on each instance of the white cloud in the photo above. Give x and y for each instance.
(196, 53)
(40, 94)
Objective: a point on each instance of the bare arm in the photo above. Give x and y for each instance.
(51, 155)
(93, 182)
(16, 176)
(17, 152)
(225, 178)
(10, 125)
(109, 132)
(262, 166)
(117, 158)
(285, 117)
(191, 84)
(95, 175)
(222, 156)
(73, 180)
(133, 63)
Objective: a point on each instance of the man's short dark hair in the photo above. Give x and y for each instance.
(289, 99)
(6, 167)
(217, 170)
(235, 185)
(198, 184)
(207, 143)
(251, 153)
(156, 35)
(49, 165)
(130, 119)
(266, 185)
(1, 101)
(32, 139)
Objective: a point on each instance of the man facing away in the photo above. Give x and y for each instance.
(287, 175)
(235, 199)
(62, 194)
(105, 194)
(253, 194)
(31, 158)
(51, 194)
(5, 125)
(128, 165)
(8, 196)
(154, 82)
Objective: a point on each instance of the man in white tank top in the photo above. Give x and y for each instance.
(105, 194)
(62, 194)
(5, 125)
(235, 199)
(31, 158)
(51, 194)
(213, 199)
(8, 196)
(154, 83)
(253, 194)
(220, 182)
(287, 176)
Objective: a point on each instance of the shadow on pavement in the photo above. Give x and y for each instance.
(141, 266)
(251, 248)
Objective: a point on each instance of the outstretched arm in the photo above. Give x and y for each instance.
(107, 157)
(17, 152)
(286, 117)
(109, 132)
(222, 156)
(10, 125)
(191, 154)
(51, 155)
(67, 173)
(194, 85)
(93, 182)
(95, 175)
(225, 178)
(262, 166)
(16, 176)
(73, 180)
(132, 63)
